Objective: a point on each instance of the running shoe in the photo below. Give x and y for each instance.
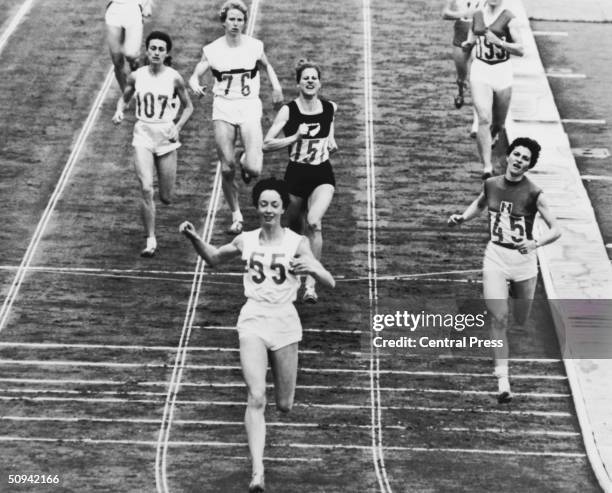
(459, 101)
(150, 249)
(494, 139)
(310, 295)
(257, 484)
(474, 128)
(235, 228)
(504, 395)
(461, 87)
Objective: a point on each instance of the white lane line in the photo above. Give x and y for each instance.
(325, 446)
(15, 21)
(597, 178)
(139, 275)
(400, 277)
(186, 422)
(377, 433)
(266, 459)
(285, 424)
(583, 121)
(6, 438)
(160, 383)
(121, 389)
(161, 455)
(83, 392)
(112, 364)
(184, 277)
(565, 75)
(50, 345)
(450, 450)
(505, 431)
(161, 477)
(96, 270)
(59, 188)
(550, 33)
(309, 405)
(331, 331)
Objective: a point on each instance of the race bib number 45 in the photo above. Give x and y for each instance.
(506, 228)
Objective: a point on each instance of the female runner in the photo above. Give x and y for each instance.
(268, 325)
(123, 20)
(235, 60)
(496, 37)
(308, 125)
(155, 141)
(513, 201)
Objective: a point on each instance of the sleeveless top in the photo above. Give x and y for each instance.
(487, 52)
(267, 277)
(312, 148)
(512, 209)
(156, 98)
(234, 68)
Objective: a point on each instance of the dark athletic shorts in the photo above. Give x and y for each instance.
(302, 179)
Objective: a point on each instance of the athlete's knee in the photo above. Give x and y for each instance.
(133, 62)
(165, 198)
(520, 318)
(148, 192)
(484, 120)
(228, 174)
(498, 322)
(313, 224)
(284, 404)
(253, 164)
(118, 60)
(257, 399)
(496, 128)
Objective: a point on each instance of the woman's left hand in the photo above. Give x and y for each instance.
(300, 265)
(277, 98)
(118, 116)
(526, 246)
(147, 8)
(493, 38)
(173, 133)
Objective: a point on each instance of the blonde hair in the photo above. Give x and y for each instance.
(302, 64)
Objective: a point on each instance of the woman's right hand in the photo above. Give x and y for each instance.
(187, 229)
(303, 130)
(455, 220)
(118, 117)
(195, 86)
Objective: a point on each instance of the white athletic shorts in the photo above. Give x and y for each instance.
(129, 17)
(278, 325)
(498, 76)
(154, 137)
(237, 111)
(513, 265)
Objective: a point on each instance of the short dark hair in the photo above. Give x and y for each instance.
(530, 144)
(233, 4)
(271, 183)
(302, 64)
(161, 36)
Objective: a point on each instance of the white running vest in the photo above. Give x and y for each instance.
(266, 276)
